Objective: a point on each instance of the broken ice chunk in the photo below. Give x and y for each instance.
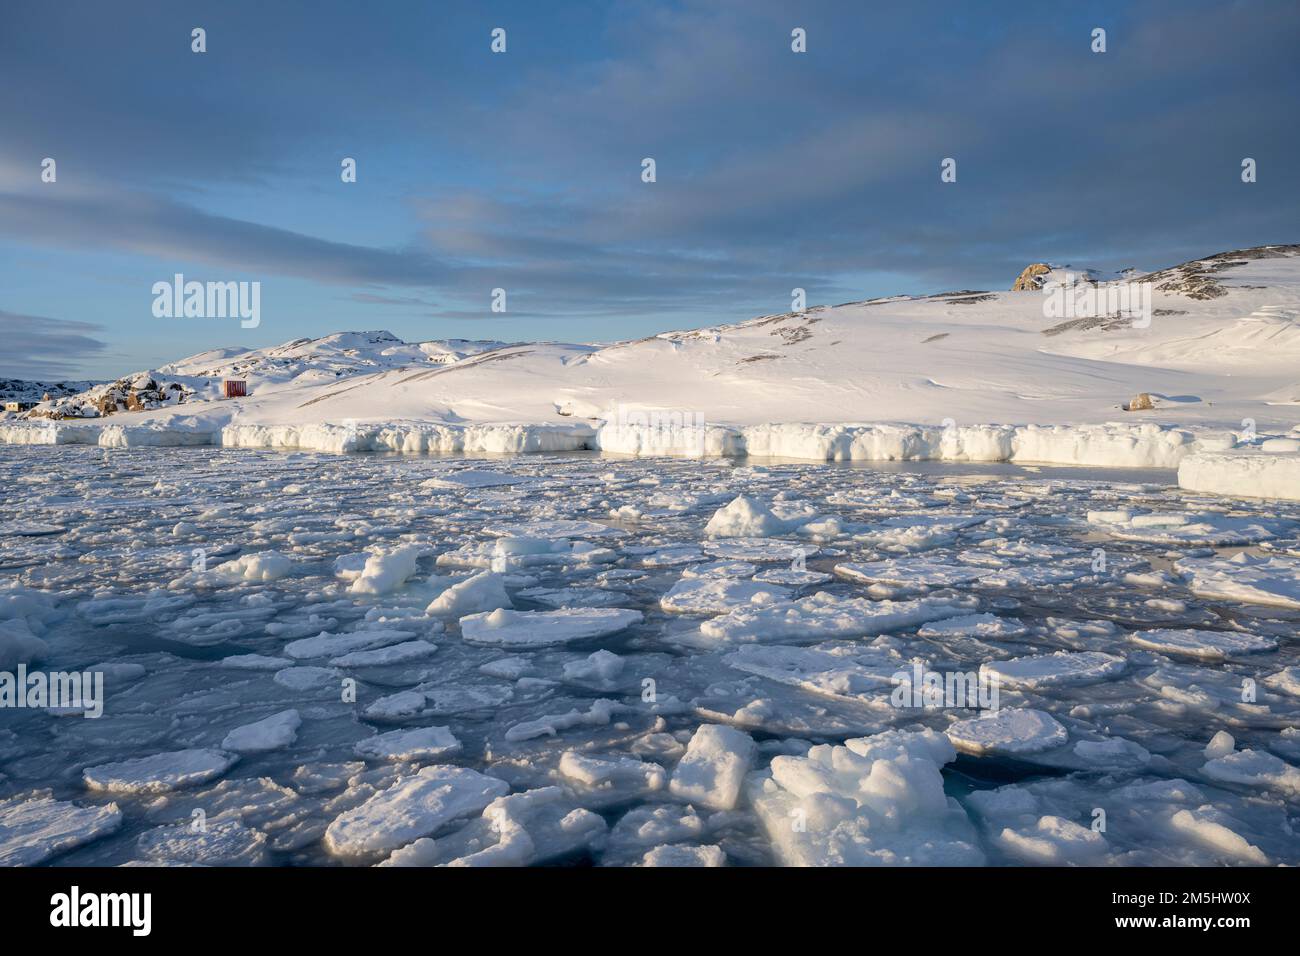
(270, 733)
(159, 773)
(714, 766)
(1008, 731)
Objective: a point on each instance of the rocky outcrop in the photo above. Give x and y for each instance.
(137, 394)
(1140, 403)
(1031, 280)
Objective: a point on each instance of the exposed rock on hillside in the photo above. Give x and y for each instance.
(1031, 280)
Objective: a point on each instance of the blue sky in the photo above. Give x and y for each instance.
(522, 170)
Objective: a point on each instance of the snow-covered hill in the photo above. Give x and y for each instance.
(294, 365)
(1218, 354)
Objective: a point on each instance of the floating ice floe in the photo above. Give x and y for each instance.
(1273, 581)
(481, 592)
(843, 670)
(1061, 668)
(18, 645)
(1011, 731)
(414, 807)
(1206, 645)
(519, 829)
(646, 827)
(35, 827)
(595, 772)
(599, 714)
(216, 843)
(420, 743)
(1254, 768)
(601, 669)
(472, 478)
(304, 678)
(918, 532)
(1146, 822)
(793, 577)
(1053, 841)
(1184, 528)
(713, 768)
(757, 550)
(502, 628)
(384, 656)
(270, 733)
(910, 572)
(983, 626)
(260, 567)
(1287, 681)
(746, 517)
(876, 801)
(159, 773)
(511, 554)
(823, 615)
(552, 528)
(331, 645)
(720, 569)
(678, 855)
(716, 595)
(386, 571)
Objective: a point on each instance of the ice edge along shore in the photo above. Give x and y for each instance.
(1207, 461)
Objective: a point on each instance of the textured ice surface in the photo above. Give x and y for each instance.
(35, 828)
(875, 801)
(159, 772)
(1063, 667)
(544, 628)
(414, 807)
(1274, 580)
(1210, 645)
(652, 694)
(1008, 731)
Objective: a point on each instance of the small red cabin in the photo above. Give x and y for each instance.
(234, 388)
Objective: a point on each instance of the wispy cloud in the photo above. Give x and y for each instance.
(44, 348)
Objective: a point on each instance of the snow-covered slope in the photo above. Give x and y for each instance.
(294, 365)
(305, 362)
(1221, 354)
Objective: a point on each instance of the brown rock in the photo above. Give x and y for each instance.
(1030, 280)
(1140, 403)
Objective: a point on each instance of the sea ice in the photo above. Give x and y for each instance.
(1274, 581)
(35, 827)
(159, 773)
(1207, 645)
(824, 615)
(414, 807)
(1048, 670)
(876, 801)
(270, 733)
(505, 628)
(420, 743)
(712, 770)
(1011, 731)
